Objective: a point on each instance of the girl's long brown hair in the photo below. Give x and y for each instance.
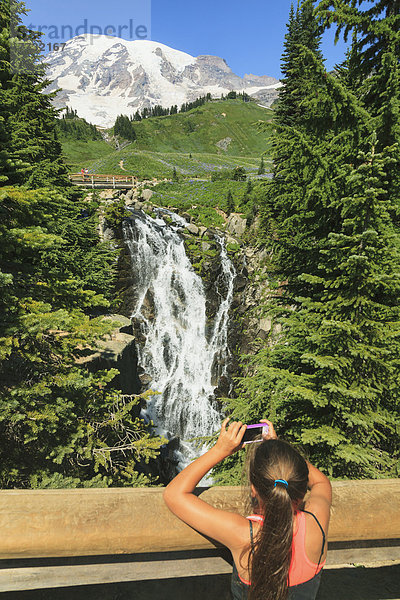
(269, 565)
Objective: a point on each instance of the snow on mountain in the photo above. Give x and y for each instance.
(103, 76)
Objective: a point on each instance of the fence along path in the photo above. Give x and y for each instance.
(40, 524)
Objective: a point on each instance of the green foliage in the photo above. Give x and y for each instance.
(201, 253)
(221, 175)
(59, 423)
(70, 126)
(201, 199)
(328, 375)
(230, 204)
(261, 168)
(238, 173)
(124, 128)
(30, 151)
(115, 212)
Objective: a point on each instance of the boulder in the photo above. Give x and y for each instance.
(240, 283)
(265, 326)
(230, 240)
(146, 194)
(108, 194)
(192, 228)
(236, 224)
(202, 230)
(108, 235)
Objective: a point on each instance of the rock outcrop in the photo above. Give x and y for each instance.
(118, 351)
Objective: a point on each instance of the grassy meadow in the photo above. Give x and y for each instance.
(218, 135)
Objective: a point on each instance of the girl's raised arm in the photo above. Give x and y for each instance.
(178, 495)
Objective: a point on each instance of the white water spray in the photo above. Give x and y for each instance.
(182, 354)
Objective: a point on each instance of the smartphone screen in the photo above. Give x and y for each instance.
(254, 433)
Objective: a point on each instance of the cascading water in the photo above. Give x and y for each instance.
(181, 353)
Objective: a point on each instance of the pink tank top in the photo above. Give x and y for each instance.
(301, 568)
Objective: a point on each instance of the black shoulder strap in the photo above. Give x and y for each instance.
(322, 531)
(251, 536)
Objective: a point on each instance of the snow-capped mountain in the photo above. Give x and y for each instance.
(103, 76)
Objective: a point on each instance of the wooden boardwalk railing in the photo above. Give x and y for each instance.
(95, 180)
(38, 524)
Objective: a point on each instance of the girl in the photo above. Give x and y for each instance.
(278, 551)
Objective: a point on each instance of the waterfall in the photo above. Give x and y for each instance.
(182, 353)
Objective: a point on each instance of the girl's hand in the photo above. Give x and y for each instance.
(230, 440)
(271, 435)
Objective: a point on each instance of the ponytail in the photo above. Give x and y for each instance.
(280, 475)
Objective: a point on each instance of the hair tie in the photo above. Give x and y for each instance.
(285, 483)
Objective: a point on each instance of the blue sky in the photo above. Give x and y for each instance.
(249, 35)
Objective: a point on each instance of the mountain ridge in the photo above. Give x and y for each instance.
(103, 76)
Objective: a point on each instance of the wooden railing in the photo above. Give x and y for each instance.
(77, 522)
(98, 180)
(91, 522)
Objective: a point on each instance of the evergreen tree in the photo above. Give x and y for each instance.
(373, 68)
(261, 168)
(31, 152)
(329, 374)
(124, 128)
(302, 32)
(72, 127)
(230, 203)
(60, 425)
(239, 174)
(248, 190)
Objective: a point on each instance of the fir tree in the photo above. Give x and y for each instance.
(330, 376)
(239, 174)
(302, 32)
(31, 152)
(261, 168)
(124, 128)
(60, 425)
(72, 127)
(230, 203)
(248, 190)
(373, 63)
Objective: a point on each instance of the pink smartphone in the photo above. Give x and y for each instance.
(254, 433)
